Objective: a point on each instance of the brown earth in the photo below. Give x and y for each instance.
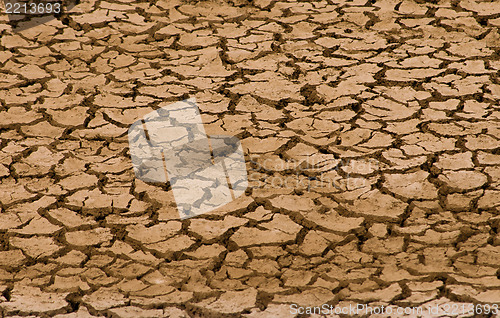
(372, 136)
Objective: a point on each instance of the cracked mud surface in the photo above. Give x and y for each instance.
(395, 103)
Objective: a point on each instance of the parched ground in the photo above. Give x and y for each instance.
(372, 137)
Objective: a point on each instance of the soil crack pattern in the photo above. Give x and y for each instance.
(371, 136)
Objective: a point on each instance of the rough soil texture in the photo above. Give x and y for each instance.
(382, 117)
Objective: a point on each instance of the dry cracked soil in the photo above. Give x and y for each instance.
(371, 133)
